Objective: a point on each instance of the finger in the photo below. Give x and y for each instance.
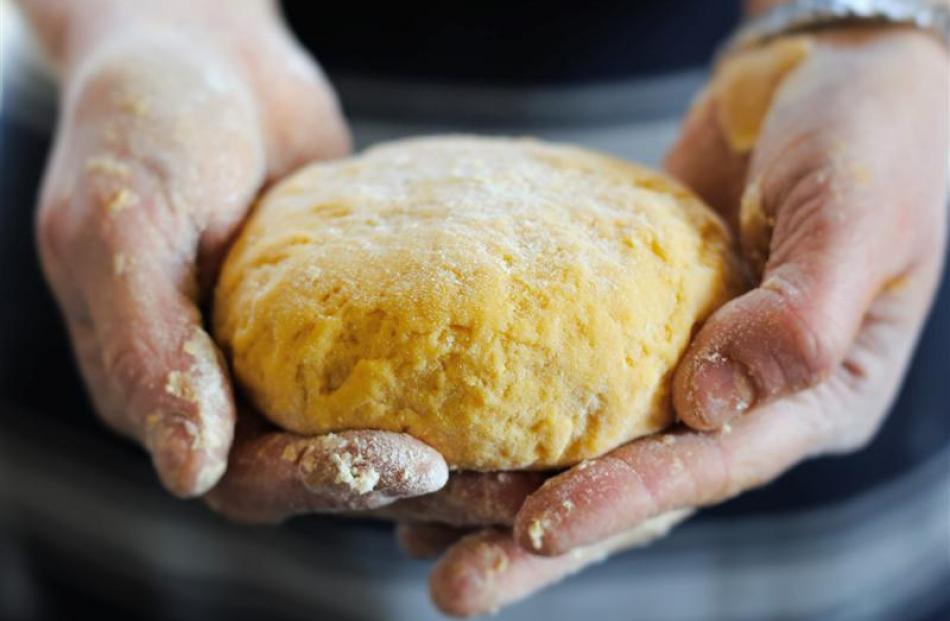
(154, 373)
(273, 475)
(470, 499)
(703, 159)
(685, 468)
(166, 376)
(782, 337)
(488, 570)
(299, 107)
(426, 540)
(654, 475)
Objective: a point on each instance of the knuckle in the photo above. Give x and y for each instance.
(813, 356)
(804, 353)
(128, 365)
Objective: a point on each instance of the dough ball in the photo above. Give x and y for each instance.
(515, 304)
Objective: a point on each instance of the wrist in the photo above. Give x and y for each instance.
(757, 7)
(906, 48)
(815, 17)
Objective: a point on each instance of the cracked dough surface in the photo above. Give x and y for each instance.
(515, 304)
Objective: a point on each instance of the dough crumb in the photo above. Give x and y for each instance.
(119, 264)
(152, 419)
(121, 199)
(106, 165)
(668, 439)
(290, 453)
(179, 384)
(536, 534)
(132, 104)
(200, 347)
(354, 473)
(155, 419)
(568, 505)
(498, 561)
(677, 465)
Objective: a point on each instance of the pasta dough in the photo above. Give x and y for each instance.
(515, 304)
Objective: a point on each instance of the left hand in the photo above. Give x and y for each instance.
(174, 115)
(842, 188)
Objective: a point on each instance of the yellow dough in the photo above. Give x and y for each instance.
(515, 304)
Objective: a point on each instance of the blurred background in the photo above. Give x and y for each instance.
(85, 528)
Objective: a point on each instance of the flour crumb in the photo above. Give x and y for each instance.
(536, 534)
(119, 264)
(120, 200)
(677, 465)
(500, 562)
(105, 165)
(290, 453)
(152, 419)
(179, 384)
(132, 104)
(361, 480)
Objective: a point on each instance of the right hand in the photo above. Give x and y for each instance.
(174, 115)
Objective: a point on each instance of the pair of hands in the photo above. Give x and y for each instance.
(169, 128)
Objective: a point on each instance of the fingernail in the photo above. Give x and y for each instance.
(722, 389)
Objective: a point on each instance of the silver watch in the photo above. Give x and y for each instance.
(805, 15)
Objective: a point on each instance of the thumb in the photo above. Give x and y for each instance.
(791, 331)
(831, 212)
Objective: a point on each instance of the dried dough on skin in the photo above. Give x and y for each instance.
(512, 303)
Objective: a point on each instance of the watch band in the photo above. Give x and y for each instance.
(805, 15)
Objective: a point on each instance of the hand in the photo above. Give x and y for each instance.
(838, 193)
(174, 115)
